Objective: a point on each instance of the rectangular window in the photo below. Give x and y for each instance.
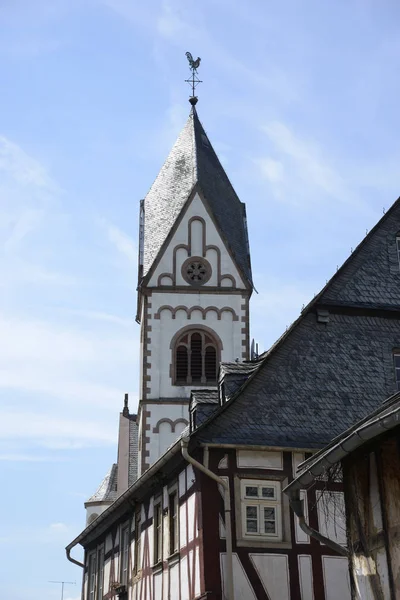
(261, 509)
(173, 523)
(124, 554)
(398, 249)
(396, 357)
(92, 576)
(157, 522)
(137, 542)
(100, 573)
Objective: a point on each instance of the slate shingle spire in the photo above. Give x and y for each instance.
(193, 162)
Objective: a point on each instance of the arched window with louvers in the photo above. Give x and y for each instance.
(197, 353)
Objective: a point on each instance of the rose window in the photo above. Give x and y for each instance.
(196, 270)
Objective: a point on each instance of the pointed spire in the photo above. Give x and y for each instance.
(193, 162)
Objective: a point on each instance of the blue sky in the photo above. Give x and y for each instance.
(300, 100)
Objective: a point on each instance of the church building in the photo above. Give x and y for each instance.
(193, 509)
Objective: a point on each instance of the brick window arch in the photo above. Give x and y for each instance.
(196, 358)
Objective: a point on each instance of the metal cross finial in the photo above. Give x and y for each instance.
(194, 80)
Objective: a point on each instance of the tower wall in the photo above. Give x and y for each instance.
(172, 304)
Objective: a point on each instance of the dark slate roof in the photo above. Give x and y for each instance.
(233, 375)
(319, 378)
(204, 397)
(193, 161)
(385, 418)
(107, 490)
(316, 382)
(239, 368)
(371, 275)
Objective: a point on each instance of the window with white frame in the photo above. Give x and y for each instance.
(138, 537)
(173, 518)
(92, 576)
(124, 554)
(157, 522)
(261, 509)
(100, 572)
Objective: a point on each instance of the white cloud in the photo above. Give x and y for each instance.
(304, 159)
(58, 527)
(101, 316)
(54, 432)
(122, 242)
(29, 458)
(271, 169)
(23, 168)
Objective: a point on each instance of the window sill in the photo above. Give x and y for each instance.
(263, 543)
(174, 558)
(157, 566)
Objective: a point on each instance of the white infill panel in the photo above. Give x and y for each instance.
(297, 459)
(194, 566)
(157, 584)
(273, 570)
(174, 581)
(306, 579)
(336, 578)
(241, 584)
(184, 580)
(260, 459)
(190, 504)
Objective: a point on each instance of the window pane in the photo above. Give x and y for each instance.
(181, 363)
(270, 527)
(268, 492)
(252, 491)
(269, 513)
(173, 523)
(251, 519)
(195, 357)
(269, 520)
(211, 364)
(100, 573)
(397, 360)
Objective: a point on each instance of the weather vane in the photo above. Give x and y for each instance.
(194, 80)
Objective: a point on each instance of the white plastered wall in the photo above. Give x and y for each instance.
(181, 237)
(223, 311)
(227, 325)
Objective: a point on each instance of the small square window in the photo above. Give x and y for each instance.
(261, 509)
(251, 491)
(268, 492)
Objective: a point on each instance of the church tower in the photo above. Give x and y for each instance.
(194, 286)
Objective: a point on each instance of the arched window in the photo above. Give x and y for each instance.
(196, 359)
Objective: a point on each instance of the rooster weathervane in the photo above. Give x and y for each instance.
(194, 80)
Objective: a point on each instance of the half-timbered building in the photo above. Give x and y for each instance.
(367, 457)
(220, 433)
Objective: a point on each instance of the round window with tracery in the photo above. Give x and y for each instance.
(196, 270)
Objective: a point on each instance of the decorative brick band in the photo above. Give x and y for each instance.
(203, 311)
(173, 424)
